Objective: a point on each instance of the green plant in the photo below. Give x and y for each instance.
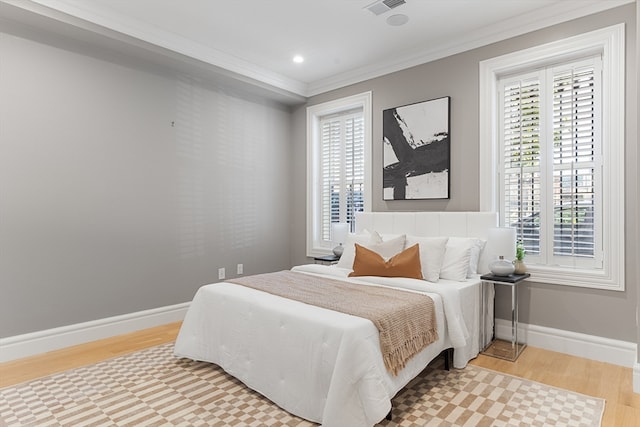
(520, 251)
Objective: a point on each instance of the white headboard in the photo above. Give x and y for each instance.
(432, 224)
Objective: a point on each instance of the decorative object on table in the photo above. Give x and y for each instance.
(416, 150)
(519, 265)
(503, 245)
(339, 233)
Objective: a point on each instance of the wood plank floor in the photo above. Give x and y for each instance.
(26, 369)
(611, 382)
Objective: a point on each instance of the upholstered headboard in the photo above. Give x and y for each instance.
(432, 224)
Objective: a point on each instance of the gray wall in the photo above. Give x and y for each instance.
(123, 190)
(637, 200)
(602, 313)
(106, 208)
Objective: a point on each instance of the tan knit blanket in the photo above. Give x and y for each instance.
(406, 320)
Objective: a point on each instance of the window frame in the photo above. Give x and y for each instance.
(314, 143)
(609, 43)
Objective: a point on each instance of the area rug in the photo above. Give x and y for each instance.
(153, 388)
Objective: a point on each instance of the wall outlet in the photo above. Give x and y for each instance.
(240, 269)
(221, 274)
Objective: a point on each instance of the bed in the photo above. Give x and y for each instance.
(326, 366)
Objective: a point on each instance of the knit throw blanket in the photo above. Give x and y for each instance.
(406, 320)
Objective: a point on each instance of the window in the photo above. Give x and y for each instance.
(557, 145)
(338, 141)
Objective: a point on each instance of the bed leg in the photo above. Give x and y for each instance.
(388, 417)
(448, 359)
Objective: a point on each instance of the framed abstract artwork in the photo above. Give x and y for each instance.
(416, 150)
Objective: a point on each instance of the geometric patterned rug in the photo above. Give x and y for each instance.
(153, 388)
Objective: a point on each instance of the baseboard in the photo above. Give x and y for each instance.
(582, 345)
(25, 345)
(592, 347)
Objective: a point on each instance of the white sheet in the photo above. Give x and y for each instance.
(319, 364)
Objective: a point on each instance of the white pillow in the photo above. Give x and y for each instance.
(477, 245)
(364, 238)
(388, 248)
(432, 251)
(457, 258)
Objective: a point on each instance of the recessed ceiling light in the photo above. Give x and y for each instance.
(397, 20)
(298, 59)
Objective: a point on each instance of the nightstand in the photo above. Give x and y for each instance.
(326, 259)
(508, 350)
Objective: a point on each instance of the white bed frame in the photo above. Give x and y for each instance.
(345, 384)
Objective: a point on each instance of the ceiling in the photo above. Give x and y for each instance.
(341, 40)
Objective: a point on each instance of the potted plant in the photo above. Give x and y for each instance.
(520, 267)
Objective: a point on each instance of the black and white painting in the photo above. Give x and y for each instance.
(416, 150)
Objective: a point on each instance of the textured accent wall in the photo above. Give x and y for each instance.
(123, 189)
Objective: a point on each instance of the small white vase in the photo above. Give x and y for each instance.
(520, 267)
(501, 267)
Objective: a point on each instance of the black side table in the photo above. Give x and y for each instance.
(500, 348)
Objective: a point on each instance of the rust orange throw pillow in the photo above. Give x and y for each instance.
(403, 264)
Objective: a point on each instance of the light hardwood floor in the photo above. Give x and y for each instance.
(611, 382)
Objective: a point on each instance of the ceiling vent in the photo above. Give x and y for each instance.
(382, 6)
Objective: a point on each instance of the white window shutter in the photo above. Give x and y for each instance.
(576, 130)
(521, 175)
(550, 176)
(342, 170)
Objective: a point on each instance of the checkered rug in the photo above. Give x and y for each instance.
(153, 388)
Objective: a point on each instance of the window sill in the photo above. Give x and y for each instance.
(596, 279)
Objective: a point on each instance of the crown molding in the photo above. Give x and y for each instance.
(115, 27)
(134, 31)
(559, 13)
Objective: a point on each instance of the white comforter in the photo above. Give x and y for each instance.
(321, 365)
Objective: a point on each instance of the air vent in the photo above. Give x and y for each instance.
(382, 6)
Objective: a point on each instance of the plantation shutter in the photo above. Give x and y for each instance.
(521, 175)
(575, 159)
(550, 181)
(354, 169)
(341, 169)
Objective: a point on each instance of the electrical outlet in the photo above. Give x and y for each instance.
(240, 269)
(221, 274)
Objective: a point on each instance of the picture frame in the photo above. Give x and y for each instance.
(417, 150)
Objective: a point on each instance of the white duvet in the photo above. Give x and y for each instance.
(318, 364)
